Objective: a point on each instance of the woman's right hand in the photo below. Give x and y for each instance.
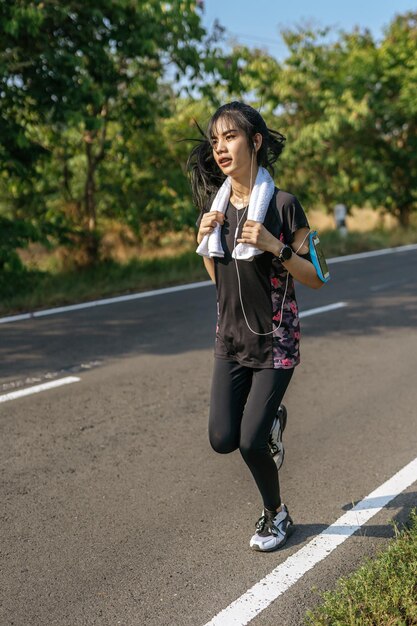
(208, 223)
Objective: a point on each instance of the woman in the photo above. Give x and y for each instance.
(253, 263)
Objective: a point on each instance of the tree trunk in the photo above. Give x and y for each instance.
(90, 188)
(93, 159)
(91, 242)
(404, 214)
(92, 162)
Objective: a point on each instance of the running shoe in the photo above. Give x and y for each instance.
(275, 438)
(272, 530)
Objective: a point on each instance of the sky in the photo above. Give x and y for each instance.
(258, 22)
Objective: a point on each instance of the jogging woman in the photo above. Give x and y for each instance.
(254, 239)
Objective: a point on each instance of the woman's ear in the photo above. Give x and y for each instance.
(257, 141)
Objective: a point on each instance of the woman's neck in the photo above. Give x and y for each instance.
(241, 188)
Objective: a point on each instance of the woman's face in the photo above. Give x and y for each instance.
(230, 148)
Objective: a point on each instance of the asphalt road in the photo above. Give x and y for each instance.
(114, 508)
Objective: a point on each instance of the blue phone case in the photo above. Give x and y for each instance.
(317, 257)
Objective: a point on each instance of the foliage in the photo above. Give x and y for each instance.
(82, 81)
(13, 274)
(96, 98)
(348, 108)
(143, 182)
(18, 234)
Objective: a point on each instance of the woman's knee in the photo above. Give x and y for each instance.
(222, 445)
(251, 450)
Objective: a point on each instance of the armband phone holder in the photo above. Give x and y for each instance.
(317, 257)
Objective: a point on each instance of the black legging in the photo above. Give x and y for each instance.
(244, 402)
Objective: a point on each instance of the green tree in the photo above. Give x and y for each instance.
(72, 70)
(144, 182)
(395, 105)
(348, 109)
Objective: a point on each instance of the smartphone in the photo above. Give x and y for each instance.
(318, 258)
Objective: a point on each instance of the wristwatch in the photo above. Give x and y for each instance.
(285, 254)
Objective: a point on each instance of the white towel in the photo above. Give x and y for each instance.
(260, 198)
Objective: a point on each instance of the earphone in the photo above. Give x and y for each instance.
(238, 275)
(283, 299)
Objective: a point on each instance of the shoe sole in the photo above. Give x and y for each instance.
(282, 417)
(290, 530)
(279, 458)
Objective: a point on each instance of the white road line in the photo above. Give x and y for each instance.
(70, 379)
(93, 303)
(323, 309)
(166, 290)
(259, 597)
(367, 255)
(13, 395)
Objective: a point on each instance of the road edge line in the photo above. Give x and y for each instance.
(176, 288)
(245, 608)
(14, 395)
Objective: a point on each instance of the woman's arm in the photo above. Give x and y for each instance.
(301, 269)
(209, 265)
(207, 224)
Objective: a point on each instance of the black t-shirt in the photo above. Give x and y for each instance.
(263, 283)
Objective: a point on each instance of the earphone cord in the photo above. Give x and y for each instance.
(238, 276)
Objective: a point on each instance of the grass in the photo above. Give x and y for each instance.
(45, 289)
(336, 245)
(383, 592)
(50, 287)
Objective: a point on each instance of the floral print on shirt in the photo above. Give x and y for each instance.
(286, 335)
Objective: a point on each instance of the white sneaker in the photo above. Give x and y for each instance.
(272, 530)
(275, 444)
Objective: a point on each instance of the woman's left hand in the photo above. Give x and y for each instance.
(256, 234)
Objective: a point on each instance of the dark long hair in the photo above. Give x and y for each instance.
(204, 173)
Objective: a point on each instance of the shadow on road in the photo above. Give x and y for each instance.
(405, 501)
(183, 322)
